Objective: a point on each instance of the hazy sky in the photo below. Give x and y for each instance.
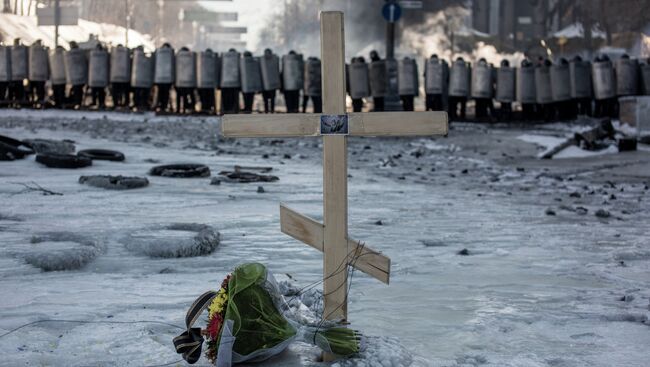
(252, 14)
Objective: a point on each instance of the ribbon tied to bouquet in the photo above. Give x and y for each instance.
(189, 343)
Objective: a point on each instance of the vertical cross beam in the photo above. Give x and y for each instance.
(335, 168)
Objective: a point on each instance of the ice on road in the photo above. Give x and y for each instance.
(569, 289)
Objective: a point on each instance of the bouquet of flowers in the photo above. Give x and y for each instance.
(249, 321)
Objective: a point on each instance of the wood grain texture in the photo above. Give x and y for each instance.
(310, 231)
(335, 171)
(398, 123)
(301, 227)
(270, 125)
(369, 261)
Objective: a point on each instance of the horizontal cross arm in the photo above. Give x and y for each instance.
(270, 125)
(360, 124)
(398, 123)
(310, 231)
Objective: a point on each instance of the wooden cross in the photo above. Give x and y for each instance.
(331, 237)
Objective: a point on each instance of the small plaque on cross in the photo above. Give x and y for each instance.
(334, 125)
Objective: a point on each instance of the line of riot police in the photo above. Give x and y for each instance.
(141, 81)
(545, 90)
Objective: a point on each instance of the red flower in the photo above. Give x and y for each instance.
(225, 282)
(214, 326)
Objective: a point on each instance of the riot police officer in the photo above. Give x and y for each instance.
(164, 76)
(5, 72)
(251, 80)
(38, 73)
(270, 65)
(313, 86)
(604, 87)
(458, 89)
(435, 80)
(378, 81)
(292, 80)
(98, 76)
(408, 84)
(358, 82)
(526, 89)
(76, 73)
(19, 71)
(230, 81)
(120, 75)
(185, 99)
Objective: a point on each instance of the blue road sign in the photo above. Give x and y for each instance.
(391, 12)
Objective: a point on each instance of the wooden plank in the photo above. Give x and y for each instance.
(369, 261)
(270, 125)
(301, 227)
(335, 185)
(398, 123)
(310, 231)
(333, 62)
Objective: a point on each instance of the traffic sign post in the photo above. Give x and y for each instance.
(391, 11)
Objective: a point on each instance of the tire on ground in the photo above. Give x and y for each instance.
(51, 146)
(181, 170)
(200, 240)
(11, 149)
(114, 182)
(102, 155)
(53, 160)
(58, 251)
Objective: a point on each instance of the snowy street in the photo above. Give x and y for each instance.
(498, 258)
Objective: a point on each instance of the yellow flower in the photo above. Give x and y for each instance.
(218, 304)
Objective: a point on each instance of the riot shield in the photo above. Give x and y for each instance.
(5, 64)
(206, 70)
(142, 70)
(38, 64)
(434, 76)
(186, 69)
(543, 90)
(378, 78)
(230, 74)
(580, 72)
(627, 77)
(482, 81)
(293, 72)
(505, 84)
(76, 67)
(526, 88)
(459, 81)
(165, 66)
(251, 74)
(407, 77)
(270, 65)
(602, 74)
(359, 83)
(57, 67)
(560, 82)
(645, 79)
(313, 82)
(98, 69)
(19, 63)
(120, 65)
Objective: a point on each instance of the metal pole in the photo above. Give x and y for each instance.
(57, 21)
(128, 24)
(390, 40)
(391, 100)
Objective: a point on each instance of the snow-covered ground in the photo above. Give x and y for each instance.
(546, 282)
